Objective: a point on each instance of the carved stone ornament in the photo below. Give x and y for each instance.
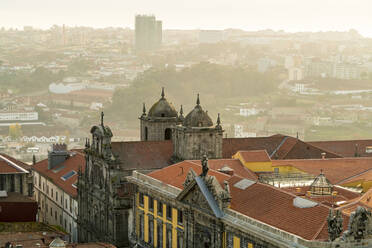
(335, 224)
(360, 225)
(189, 178)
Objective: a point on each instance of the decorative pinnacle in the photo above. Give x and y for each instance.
(162, 93)
(181, 111)
(198, 100)
(102, 115)
(218, 120)
(144, 109)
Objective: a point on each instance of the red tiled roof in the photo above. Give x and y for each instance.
(342, 195)
(335, 169)
(365, 176)
(234, 164)
(277, 147)
(143, 155)
(75, 162)
(364, 201)
(175, 175)
(255, 156)
(8, 168)
(345, 148)
(275, 207)
(262, 202)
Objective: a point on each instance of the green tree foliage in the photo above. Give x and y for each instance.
(15, 131)
(28, 82)
(214, 82)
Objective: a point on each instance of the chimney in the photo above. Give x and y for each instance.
(58, 155)
(323, 155)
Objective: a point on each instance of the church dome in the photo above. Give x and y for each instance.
(197, 117)
(162, 108)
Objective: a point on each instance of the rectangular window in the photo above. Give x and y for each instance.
(141, 234)
(151, 232)
(21, 184)
(160, 208)
(70, 205)
(60, 219)
(46, 207)
(57, 196)
(66, 204)
(51, 192)
(160, 234)
(47, 190)
(141, 199)
(55, 215)
(51, 211)
(169, 239)
(12, 183)
(180, 240)
(2, 182)
(151, 203)
(169, 212)
(180, 217)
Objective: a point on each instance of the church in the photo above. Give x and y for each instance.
(105, 196)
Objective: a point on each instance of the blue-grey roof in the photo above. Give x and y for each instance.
(209, 197)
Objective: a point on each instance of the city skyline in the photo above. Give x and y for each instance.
(287, 15)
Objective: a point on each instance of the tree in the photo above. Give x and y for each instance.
(15, 131)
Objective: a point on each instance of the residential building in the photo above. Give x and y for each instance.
(55, 181)
(15, 176)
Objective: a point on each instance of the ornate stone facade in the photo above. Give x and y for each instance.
(103, 195)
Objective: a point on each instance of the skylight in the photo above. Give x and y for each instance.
(244, 183)
(68, 175)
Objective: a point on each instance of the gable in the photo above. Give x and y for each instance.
(197, 194)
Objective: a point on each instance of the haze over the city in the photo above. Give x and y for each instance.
(288, 15)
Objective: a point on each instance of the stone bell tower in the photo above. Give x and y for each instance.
(197, 136)
(158, 123)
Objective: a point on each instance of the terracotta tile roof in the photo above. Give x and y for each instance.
(364, 176)
(345, 148)
(335, 169)
(262, 202)
(277, 146)
(175, 175)
(238, 168)
(74, 162)
(364, 201)
(255, 156)
(6, 167)
(329, 200)
(275, 207)
(143, 155)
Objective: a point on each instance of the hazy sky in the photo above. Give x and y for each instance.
(289, 15)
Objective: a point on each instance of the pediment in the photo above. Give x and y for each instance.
(198, 194)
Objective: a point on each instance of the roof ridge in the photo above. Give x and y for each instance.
(357, 175)
(320, 230)
(278, 147)
(11, 163)
(297, 140)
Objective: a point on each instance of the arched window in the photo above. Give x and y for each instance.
(146, 133)
(168, 134)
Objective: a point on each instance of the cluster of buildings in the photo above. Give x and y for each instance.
(185, 185)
